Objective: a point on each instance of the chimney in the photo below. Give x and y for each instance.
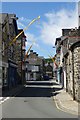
(31, 51)
(36, 54)
(65, 32)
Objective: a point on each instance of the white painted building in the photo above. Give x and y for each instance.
(32, 71)
(34, 66)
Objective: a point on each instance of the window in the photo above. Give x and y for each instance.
(11, 49)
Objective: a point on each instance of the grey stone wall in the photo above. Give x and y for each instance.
(76, 54)
(69, 74)
(73, 65)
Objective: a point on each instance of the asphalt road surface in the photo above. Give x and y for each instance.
(35, 101)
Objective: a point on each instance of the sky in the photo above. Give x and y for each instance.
(54, 16)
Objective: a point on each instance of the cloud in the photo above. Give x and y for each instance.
(23, 19)
(50, 29)
(23, 22)
(20, 25)
(31, 39)
(56, 21)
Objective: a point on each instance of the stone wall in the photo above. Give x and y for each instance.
(76, 54)
(69, 74)
(73, 73)
(68, 77)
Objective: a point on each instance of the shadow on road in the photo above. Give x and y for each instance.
(41, 83)
(38, 91)
(35, 92)
(34, 89)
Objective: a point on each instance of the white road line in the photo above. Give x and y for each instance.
(36, 86)
(1, 98)
(39, 81)
(4, 100)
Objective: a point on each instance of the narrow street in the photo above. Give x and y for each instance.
(39, 60)
(35, 101)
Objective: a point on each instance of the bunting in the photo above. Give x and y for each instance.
(14, 40)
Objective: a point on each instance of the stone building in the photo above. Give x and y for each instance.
(75, 49)
(19, 55)
(0, 51)
(34, 66)
(69, 72)
(9, 67)
(58, 49)
(12, 69)
(55, 66)
(64, 49)
(4, 27)
(49, 67)
(71, 59)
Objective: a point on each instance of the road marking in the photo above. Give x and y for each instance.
(4, 100)
(40, 86)
(31, 81)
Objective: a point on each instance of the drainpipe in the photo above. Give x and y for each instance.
(73, 75)
(66, 75)
(21, 63)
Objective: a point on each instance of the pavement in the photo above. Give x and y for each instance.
(65, 102)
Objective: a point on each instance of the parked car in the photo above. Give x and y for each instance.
(46, 77)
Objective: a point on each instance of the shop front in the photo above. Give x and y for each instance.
(12, 74)
(4, 75)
